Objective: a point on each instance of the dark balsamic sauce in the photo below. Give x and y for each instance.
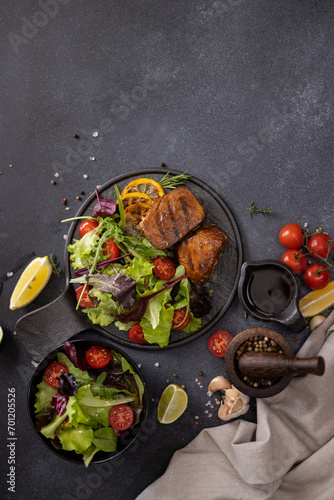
(270, 290)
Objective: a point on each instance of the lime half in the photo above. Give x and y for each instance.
(172, 404)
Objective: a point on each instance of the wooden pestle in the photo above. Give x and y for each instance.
(267, 365)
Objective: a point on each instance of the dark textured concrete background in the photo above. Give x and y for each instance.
(238, 92)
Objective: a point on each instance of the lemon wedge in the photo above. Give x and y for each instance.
(172, 404)
(32, 281)
(317, 301)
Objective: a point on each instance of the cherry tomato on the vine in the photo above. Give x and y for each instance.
(296, 260)
(97, 356)
(52, 373)
(164, 268)
(121, 417)
(291, 236)
(86, 300)
(136, 334)
(181, 318)
(316, 276)
(111, 249)
(320, 245)
(219, 342)
(86, 226)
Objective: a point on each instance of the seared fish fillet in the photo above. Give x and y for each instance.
(200, 251)
(171, 217)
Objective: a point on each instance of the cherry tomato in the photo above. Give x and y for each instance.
(86, 226)
(316, 276)
(320, 245)
(291, 236)
(296, 260)
(111, 249)
(181, 318)
(164, 268)
(97, 356)
(218, 342)
(86, 300)
(52, 373)
(136, 334)
(121, 417)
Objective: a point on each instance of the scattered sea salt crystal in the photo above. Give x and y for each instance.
(10, 165)
(95, 134)
(305, 224)
(56, 174)
(67, 208)
(65, 236)
(10, 274)
(197, 417)
(92, 158)
(85, 176)
(139, 365)
(34, 363)
(156, 364)
(206, 411)
(209, 393)
(210, 415)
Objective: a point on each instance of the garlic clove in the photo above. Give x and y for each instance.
(223, 412)
(316, 321)
(219, 384)
(228, 403)
(231, 394)
(237, 405)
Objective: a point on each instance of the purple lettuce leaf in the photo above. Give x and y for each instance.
(59, 402)
(137, 311)
(68, 386)
(121, 286)
(76, 355)
(103, 207)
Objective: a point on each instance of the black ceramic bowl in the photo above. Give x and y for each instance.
(123, 442)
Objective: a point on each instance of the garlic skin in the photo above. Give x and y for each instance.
(316, 321)
(235, 402)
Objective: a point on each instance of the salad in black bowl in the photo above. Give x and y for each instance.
(87, 401)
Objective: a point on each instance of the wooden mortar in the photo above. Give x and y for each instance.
(279, 367)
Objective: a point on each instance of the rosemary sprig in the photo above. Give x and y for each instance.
(252, 210)
(56, 269)
(174, 181)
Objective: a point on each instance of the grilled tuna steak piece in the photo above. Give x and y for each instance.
(171, 217)
(200, 251)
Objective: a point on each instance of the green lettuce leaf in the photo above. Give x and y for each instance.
(160, 334)
(139, 268)
(105, 439)
(83, 251)
(103, 313)
(43, 396)
(76, 439)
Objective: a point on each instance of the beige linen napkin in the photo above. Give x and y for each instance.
(287, 455)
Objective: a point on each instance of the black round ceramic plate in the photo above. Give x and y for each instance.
(226, 275)
(123, 441)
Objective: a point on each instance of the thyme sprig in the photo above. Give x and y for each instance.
(175, 181)
(56, 269)
(252, 210)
